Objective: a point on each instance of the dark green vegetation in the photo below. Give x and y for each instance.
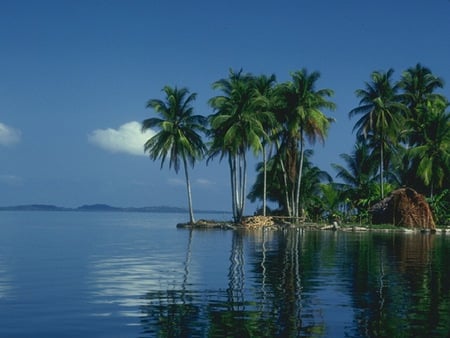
(402, 139)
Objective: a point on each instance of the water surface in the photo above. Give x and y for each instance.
(83, 274)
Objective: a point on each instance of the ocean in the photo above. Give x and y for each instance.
(125, 274)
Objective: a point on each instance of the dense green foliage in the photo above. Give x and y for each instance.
(402, 139)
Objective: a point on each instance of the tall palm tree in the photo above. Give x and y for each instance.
(178, 137)
(235, 129)
(263, 104)
(381, 112)
(303, 119)
(433, 155)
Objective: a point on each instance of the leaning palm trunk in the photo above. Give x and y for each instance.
(189, 195)
(299, 182)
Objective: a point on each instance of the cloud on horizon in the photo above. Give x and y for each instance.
(128, 139)
(8, 135)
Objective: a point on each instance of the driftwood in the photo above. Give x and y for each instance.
(257, 221)
(404, 207)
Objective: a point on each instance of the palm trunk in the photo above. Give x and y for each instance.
(382, 171)
(285, 181)
(299, 181)
(244, 184)
(232, 163)
(188, 188)
(240, 186)
(264, 180)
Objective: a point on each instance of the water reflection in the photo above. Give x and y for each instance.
(293, 283)
(5, 280)
(406, 289)
(121, 281)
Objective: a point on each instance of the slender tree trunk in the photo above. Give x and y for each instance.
(188, 188)
(285, 179)
(244, 184)
(232, 163)
(299, 180)
(264, 180)
(382, 170)
(293, 208)
(240, 186)
(286, 188)
(237, 186)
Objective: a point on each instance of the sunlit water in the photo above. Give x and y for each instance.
(74, 274)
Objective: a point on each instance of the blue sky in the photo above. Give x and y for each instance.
(75, 77)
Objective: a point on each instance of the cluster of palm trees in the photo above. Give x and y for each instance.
(403, 138)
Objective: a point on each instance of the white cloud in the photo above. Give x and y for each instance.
(8, 135)
(128, 138)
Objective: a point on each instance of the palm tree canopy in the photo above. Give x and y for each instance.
(360, 168)
(303, 104)
(419, 85)
(379, 105)
(235, 126)
(177, 137)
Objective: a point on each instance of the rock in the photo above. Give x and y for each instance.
(404, 207)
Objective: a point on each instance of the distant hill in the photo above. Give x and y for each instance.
(102, 208)
(97, 207)
(34, 207)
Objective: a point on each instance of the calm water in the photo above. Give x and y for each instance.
(69, 274)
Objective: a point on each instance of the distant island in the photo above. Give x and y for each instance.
(104, 208)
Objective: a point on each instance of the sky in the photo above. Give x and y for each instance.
(75, 76)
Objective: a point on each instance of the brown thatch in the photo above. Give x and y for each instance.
(404, 207)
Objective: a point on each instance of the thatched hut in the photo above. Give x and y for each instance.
(404, 207)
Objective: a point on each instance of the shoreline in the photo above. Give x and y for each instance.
(261, 222)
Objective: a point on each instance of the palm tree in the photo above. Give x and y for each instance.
(178, 137)
(303, 120)
(358, 175)
(264, 105)
(235, 129)
(419, 86)
(381, 111)
(433, 155)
